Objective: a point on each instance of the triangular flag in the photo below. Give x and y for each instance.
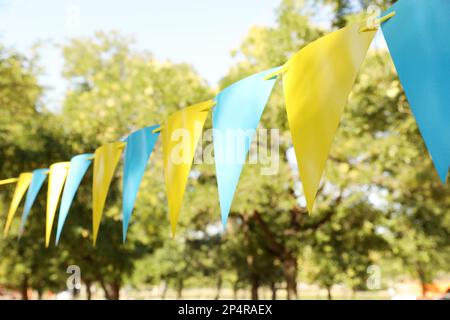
(22, 185)
(235, 119)
(56, 178)
(8, 181)
(78, 167)
(140, 145)
(317, 82)
(180, 136)
(419, 43)
(37, 181)
(105, 162)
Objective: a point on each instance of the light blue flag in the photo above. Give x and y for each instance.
(77, 169)
(235, 119)
(419, 43)
(37, 181)
(138, 149)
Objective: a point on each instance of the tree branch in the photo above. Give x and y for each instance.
(274, 246)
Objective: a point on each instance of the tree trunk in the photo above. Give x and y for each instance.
(39, 294)
(219, 287)
(254, 287)
(180, 289)
(235, 289)
(423, 280)
(287, 257)
(290, 275)
(88, 290)
(273, 288)
(164, 290)
(112, 291)
(329, 293)
(424, 288)
(24, 288)
(115, 291)
(105, 289)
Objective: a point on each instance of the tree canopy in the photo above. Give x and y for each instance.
(380, 202)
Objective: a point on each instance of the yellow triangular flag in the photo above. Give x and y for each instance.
(22, 185)
(56, 178)
(180, 136)
(317, 82)
(8, 181)
(105, 162)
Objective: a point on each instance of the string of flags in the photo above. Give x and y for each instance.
(317, 81)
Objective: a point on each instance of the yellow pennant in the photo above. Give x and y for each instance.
(23, 182)
(317, 81)
(56, 178)
(8, 181)
(180, 136)
(105, 162)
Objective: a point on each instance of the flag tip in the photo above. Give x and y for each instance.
(224, 224)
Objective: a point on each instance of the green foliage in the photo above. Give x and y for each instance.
(380, 201)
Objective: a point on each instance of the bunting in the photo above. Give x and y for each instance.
(317, 81)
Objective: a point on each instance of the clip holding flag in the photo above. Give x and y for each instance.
(378, 22)
(208, 106)
(280, 71)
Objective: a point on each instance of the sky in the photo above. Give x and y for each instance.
(199, 32)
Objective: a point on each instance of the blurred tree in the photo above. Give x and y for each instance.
(380, 198)
(343, 249)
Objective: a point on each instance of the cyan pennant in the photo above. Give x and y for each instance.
(235, 119)
(37, 181)
(138, 149)
(78, 167)
(418, 40)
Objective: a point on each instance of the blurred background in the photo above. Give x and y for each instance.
(75, 75)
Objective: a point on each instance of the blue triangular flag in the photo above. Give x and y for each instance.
(235, 119)
(139, 147)
(37, 181)
(418, 40)
(77, 169)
